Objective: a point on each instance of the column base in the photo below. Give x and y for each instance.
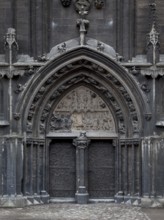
(82, 198)
(38, 199)
(45, 198)
(134, 200)
(82, 195)
(20, 201)
(152, 202)
(119, 197)
(13, 201)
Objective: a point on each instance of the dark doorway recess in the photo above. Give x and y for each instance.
(101, 162)
(62, 165)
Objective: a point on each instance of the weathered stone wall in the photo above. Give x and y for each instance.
(42, 24)
(31, 89)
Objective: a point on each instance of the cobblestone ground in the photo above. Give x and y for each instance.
(74, 212)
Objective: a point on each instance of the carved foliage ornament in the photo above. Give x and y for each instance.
(153, 72)
(10, 73)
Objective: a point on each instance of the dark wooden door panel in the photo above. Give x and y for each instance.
(62, 169)
(101, 169)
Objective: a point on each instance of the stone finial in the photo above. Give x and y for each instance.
(10, 38)
(153, 44)
(153, 36)
(11, 45)
(153, 12)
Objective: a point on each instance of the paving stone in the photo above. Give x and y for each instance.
(75, 212)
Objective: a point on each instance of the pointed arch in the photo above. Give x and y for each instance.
(83, 65)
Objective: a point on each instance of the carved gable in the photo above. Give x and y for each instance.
(82, 109)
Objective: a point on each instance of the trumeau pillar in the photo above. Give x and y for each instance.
(81, 144)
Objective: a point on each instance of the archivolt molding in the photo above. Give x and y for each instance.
(56, 94)
(97, 88)
(52, 80)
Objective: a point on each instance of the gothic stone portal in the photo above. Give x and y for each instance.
(82, 110)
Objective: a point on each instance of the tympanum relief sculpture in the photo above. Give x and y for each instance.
(82, 109)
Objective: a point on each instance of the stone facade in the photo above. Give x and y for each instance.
(81, 104)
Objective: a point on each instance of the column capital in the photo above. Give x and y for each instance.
(82, 141)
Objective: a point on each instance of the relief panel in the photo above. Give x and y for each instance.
(82, 109)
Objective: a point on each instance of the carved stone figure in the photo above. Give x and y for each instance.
(100, 46)
(62, 48)
(82, 141)
(99, 4)
(43, 58)
(145, 87)
(17, 116)
(19, 89)
(83, 25)
(60, 122)
(82, 5)
(134, 71)
(30, 71)
(66, 3)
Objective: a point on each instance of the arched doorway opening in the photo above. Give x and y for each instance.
(82, 110)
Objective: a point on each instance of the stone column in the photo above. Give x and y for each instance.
(81, 144)
(12, 172)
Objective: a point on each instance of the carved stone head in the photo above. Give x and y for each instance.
(99, 4)
(66, 3)
(82, 5)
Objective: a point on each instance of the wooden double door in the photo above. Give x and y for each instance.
(100, 158)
